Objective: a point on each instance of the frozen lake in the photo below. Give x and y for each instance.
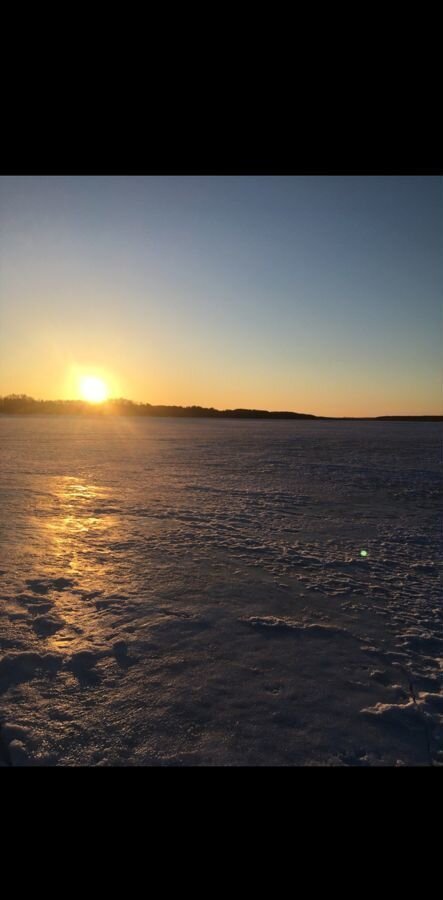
(192, 592)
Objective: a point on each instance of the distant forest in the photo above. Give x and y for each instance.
(21, 404)
(24, 405)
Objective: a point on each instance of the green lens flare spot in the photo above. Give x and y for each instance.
(363, 552)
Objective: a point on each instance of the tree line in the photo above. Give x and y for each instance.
(22, 404)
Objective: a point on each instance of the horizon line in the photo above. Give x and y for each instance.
(250, 412)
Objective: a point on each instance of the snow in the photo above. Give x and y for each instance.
(179, 592)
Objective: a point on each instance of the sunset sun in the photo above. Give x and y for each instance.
(94, 390)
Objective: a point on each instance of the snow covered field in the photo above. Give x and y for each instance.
(192, 592)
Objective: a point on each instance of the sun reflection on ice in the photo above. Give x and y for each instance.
(79, 526)
(80, 523)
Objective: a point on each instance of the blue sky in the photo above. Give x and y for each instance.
(317, 294)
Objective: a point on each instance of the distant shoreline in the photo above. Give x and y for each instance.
(19, 404)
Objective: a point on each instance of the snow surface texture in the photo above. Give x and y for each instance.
(187, 592)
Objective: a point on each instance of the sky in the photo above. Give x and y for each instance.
(311, 294)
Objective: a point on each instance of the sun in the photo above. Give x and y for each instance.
(92, 389)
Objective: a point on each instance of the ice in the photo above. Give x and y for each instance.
(178, 592)
(18, 754)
